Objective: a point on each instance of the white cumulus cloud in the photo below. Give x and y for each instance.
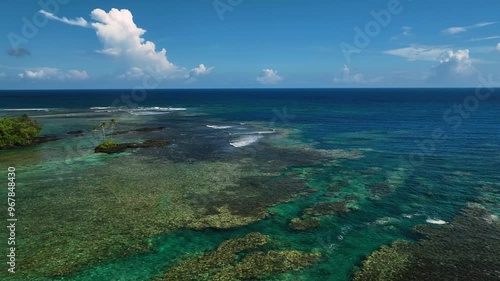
(202, 70)
(78, 21)
(456, 65)
(133, 73)
(460, 29)
(269, 76)
(47, 73)
(124, 40)
(77, 74)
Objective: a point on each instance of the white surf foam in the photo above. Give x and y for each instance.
(25, 109)
(138, 109)
(100, 107)
(219, 127)
(140, 113)
(256, 133)
(157, 108)
(434, 221)
(245, 141)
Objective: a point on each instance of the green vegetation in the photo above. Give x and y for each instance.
(18, 131)
(113, 124)
(108, 144)
(103, 127)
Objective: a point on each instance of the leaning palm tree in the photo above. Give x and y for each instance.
(103, 127)
(112, 123)
(94, 131)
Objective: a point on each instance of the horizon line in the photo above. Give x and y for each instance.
(273, 88)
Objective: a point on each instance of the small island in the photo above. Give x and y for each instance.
(20, 131)
(110, 146)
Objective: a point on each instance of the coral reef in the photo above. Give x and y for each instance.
(328, 208)
(258, 265)
(224, 264)
(388, 263)
(466, 249)
(304, 224)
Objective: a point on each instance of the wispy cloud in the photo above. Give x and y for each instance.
(484, 38)
(487, 49)
(460, 29)
(407, 30)
(414, 53)
(47, 73)
(347, 77)
(19, 52)
(78, 21)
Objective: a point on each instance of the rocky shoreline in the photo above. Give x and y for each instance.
(36, 141)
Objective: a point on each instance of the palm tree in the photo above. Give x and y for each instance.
(94, 130)
(113, 123)
(103, 127)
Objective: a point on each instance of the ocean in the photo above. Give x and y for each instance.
(369, 166)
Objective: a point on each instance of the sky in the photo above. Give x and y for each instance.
(76, 44)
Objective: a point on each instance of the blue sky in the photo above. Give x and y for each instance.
(247, 43)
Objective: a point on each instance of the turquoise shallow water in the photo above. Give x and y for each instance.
(134, 215)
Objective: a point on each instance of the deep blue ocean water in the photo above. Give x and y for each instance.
(319, 111)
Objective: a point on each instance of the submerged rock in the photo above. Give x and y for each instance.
(78, 132)
(142, 130)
